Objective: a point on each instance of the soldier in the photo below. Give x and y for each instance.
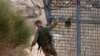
(44, 39)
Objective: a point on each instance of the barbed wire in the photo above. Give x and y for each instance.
(94, 4)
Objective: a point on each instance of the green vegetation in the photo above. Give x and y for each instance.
(13, 27)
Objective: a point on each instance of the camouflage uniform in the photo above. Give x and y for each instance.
(48, 48)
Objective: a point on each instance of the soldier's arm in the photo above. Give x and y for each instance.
(50, 27)
(35, 38)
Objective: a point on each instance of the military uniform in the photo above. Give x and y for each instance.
(48, 48)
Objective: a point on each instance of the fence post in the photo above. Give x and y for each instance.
(47, 13)
(78, 16)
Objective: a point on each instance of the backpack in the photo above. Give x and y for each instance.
(44, 37)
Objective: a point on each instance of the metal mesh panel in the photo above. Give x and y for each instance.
(60, 8)
(90, 29)
(90, 39)
(66, 38)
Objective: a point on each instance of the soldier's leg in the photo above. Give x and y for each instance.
(52, 50)
(46, 51)
(46, 54)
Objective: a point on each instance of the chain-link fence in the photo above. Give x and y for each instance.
(85, 25)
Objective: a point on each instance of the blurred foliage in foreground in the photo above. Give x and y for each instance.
(13, 28)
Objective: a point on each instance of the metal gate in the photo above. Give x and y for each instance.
(83, 37)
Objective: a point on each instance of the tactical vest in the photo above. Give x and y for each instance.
(44, 37)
